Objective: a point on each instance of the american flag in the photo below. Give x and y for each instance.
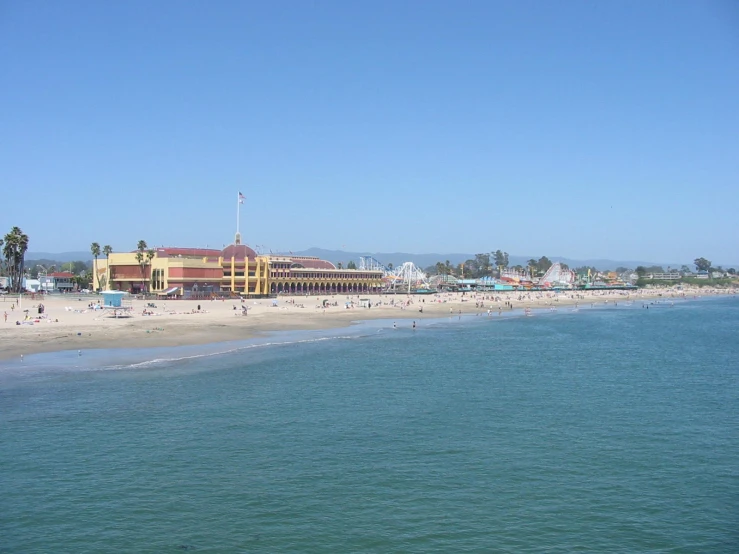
(241, 198)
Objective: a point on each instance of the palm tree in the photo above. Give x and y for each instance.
(150, 253)
(140, 249)
(140, 260)
(103, 281)
(95, 250)
(15, 245)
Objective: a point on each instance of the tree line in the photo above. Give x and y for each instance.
(15, 246)
(701, 264)
(490, 265)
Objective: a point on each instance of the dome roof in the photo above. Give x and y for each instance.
(239, 252)
(311, 262)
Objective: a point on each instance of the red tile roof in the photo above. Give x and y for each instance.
(311, 262)
(172, 252)
(239, 252)
(62, 274)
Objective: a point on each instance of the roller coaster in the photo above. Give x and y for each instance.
(558, 276)
(407, 277)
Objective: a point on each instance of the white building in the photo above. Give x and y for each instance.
(31, 285)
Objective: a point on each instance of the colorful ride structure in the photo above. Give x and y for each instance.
(558, 277)
(406, 278)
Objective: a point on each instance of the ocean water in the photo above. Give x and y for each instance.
(613, 429)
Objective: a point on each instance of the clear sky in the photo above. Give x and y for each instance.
(574, 128)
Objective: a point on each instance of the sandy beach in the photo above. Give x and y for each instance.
(72, 322)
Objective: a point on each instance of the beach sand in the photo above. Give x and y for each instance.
(69, 324)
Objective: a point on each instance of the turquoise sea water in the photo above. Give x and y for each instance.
(604, 430)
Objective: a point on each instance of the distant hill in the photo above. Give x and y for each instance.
(456, 258)
(396, 258)
(60, 256)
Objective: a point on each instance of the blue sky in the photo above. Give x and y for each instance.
(578, 129)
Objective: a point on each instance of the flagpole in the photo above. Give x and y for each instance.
(238, 212)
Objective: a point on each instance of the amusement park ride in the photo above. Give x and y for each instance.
(408, 278)
(558, 276)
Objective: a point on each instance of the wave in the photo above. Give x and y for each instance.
(174, 359)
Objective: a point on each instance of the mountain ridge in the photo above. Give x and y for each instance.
(426, 260)
(397, 258)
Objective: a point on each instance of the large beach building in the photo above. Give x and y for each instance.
(237, 269)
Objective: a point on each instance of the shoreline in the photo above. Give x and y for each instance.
(70, 324)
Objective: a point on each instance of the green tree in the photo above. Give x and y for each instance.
(107, 250)
(351, 265)
(140, 257)
(543, 264)
(95, 250)
(702, 264)
(731, 271)
(339, 266)
(468, 269)
(78, 267)
(83, 280)
(482, 261)
(641, 271)
(501, 259)
(150, 254)
(15, 246)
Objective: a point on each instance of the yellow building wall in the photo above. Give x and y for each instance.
(259, 282)
(102, 278)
